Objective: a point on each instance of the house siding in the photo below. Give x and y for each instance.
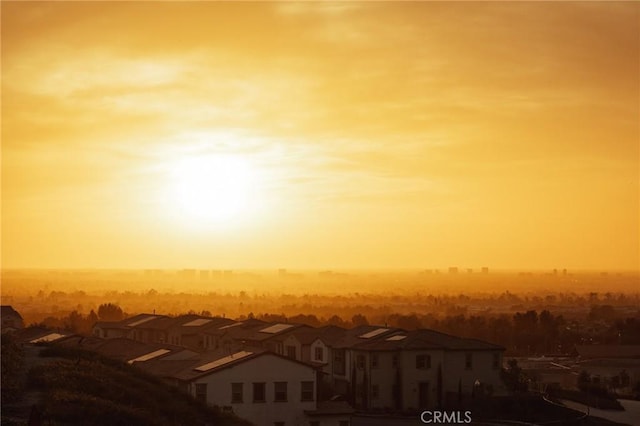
(266, 369)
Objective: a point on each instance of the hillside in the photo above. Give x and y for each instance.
(81, 388)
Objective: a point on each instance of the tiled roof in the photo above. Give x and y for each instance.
(364, 334)
(127, 349)
(421, 339)
(119, 325)
(447, 341)
(7, 310)
(253, 330)
(32, 333)
(81, 342)
(329, 335)
(206, 363)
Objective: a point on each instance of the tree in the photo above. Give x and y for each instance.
(336, 320)
(359, 319)
(584, 381)
(513, 377)
(110, 312)
(92, 318)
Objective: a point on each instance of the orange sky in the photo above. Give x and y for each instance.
(320, 135)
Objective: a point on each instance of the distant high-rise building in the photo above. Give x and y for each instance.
(485, 270)
(188, 273)
(453, 270)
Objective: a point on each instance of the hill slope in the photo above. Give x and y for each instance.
(83, 388)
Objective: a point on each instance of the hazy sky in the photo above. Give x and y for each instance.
(321, 135)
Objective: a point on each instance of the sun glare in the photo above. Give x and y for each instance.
(211, 189)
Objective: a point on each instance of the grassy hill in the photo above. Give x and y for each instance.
(82, 388)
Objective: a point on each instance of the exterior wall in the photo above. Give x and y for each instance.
(326, 359)
(413, 378)
(384, 378)
(380, 385)
(338, 381)
(109, 333)
(482, 369)
(148, 335)
(289, 342)
(193, 341)
(267, 369)
(305, 353)
(12, 321)
(174, 336)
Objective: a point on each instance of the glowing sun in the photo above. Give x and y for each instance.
(211, 189)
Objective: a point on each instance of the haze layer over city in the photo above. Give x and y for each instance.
(324, 136)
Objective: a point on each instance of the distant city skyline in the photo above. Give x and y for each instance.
(321, 135)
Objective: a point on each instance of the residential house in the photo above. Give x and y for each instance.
(129, 327)
(261, 386)
(191, 331)
(270, 336)
(392, 369)
(11, 320)
(614, 366)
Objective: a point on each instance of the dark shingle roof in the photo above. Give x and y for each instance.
(7, 310)
(126, 349)
(422, 339)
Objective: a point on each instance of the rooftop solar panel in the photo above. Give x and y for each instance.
(197, 322)
(141, 321)
(230, 325)
(222, 361)
(149, 356)
(48, 338)
(396, 337)
(373, 333)
(277, 328)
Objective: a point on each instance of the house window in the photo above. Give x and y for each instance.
(259, 394)
(339, 366)
(319, 353)
(395, 361)
(468, 361)
(374, 360)
(291, 352)
(375, 391)
(201, 392)
(306, 393)
(496, 361)
(360, 361)
(236, 392)
(280, 391)
(423, 362)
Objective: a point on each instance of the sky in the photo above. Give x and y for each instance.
(321, 135)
